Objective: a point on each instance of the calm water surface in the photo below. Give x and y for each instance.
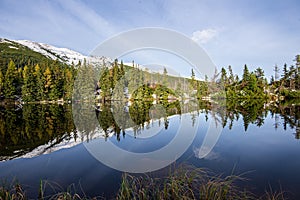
(41, 142)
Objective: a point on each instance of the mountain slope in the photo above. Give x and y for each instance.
(62, 54)
(20, 54)
(24, 51)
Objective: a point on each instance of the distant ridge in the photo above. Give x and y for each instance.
(63, 55)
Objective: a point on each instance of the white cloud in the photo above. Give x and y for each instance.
(198, 152)
(204, 36)
(88, 17)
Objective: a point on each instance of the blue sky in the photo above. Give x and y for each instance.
(236, 32)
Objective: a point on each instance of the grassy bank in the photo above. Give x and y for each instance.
(181, 183)
(189, 184)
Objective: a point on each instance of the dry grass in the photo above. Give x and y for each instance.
(182, 183)
(188, 184)
(12, 193)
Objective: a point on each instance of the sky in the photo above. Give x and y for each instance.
(232, 32)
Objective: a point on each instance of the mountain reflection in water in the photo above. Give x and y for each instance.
(36, 129)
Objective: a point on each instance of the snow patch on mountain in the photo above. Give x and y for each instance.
(67, 142)
(12, 47)
(62, 54)
(3, 40)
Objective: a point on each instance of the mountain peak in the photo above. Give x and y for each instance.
(62, 54)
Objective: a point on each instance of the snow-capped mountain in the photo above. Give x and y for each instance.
(62, 54)
(67, 141)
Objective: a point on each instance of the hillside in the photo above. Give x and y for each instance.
(36, 72)
(22, 51)
(20, 54)
(40, 72)
(61, 54)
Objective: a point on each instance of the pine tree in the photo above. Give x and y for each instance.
(85, 84)
(260, 77)
(231, 76)
(276, 70)
(165, 77)
(10, 80)
(297, 75)
(104, 83)
(28, 92)
(272, 80)
(285, 76)
(292, 77)
(297, 61)
(68, 84)
(206, 89)
(39, 86)
(132, 82)
(193, 74)
(115, 73)
(48, 82)
(57, 86)
(19, 80)
(223, 77)
(119, 91)
(1, 83)
(193, 80)
(237, 79)
(122, 71)
(259, 73)
(252, 84)
(285, 71)
(246, 74)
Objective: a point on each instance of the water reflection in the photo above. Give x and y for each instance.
(23, 130)
(36, 129)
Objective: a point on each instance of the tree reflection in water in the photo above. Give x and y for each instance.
(35, 125)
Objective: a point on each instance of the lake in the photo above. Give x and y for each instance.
(57, 143)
